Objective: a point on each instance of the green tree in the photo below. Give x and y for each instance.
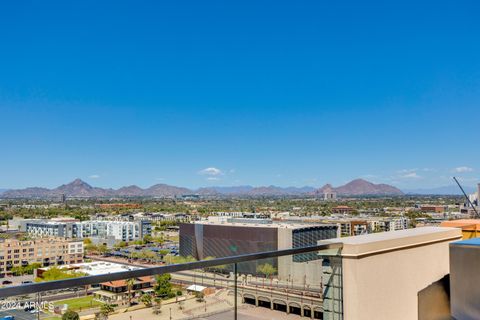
(146, 299)
(70, 315)
(266, 269)
(120, 244)
(149, 255)
(106, 309)
(147, 239)
(91, 248)
(102, 249)
(56, 273)
(163, 288)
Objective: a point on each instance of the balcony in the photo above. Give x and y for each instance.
(403, 274)
(210, 288)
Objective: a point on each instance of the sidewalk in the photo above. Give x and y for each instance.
(191, 308)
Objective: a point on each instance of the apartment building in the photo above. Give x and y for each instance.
(46, 251)
(99, 229)
(387, 224)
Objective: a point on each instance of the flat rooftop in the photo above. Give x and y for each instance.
(99, 267)
(384, 241)
(276, 225)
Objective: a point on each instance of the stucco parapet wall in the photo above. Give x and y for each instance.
(376, 243)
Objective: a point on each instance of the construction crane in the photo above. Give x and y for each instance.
(468, 199)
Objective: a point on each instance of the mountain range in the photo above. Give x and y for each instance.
(79, 188)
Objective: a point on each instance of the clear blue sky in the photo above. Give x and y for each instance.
(261, 92)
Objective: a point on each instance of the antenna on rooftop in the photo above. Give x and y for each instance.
(468, 199)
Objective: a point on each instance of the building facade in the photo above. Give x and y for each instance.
(45, 251)
(207, 239)
(102, 229)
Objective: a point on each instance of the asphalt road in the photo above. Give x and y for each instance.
(19, 314)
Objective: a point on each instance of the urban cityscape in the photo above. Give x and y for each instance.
(254, 160)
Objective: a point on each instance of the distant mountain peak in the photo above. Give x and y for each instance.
(79, 188)
(361, 187)
(79, 182)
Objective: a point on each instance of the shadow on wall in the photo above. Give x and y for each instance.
(434, 301)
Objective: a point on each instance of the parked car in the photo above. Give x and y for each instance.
(7, 282)
(7, 318)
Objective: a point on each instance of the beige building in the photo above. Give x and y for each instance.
(46, 251)
(390, 275)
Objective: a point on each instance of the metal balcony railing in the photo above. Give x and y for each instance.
(32, 288)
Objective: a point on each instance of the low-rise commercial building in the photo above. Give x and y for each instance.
(94, 268)
(114, 291)
(432, 208)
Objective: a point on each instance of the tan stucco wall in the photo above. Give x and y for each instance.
(386, 285)
(284, 263)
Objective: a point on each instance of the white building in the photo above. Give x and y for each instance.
(101, 229)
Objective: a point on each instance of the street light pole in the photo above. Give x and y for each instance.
(235, 289)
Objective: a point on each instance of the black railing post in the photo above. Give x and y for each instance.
(38, 307)
(235, 289)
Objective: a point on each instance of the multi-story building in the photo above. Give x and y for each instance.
(220, 239)
(46, 251)
(388, 224)
(353, 226)
(329, 194)
(100, 229)
(160, 216)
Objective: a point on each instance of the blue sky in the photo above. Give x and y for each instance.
(256, 92)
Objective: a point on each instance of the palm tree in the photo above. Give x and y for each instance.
(158, 306)
(130, 282)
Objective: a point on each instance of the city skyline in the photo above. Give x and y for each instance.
(277, 93)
